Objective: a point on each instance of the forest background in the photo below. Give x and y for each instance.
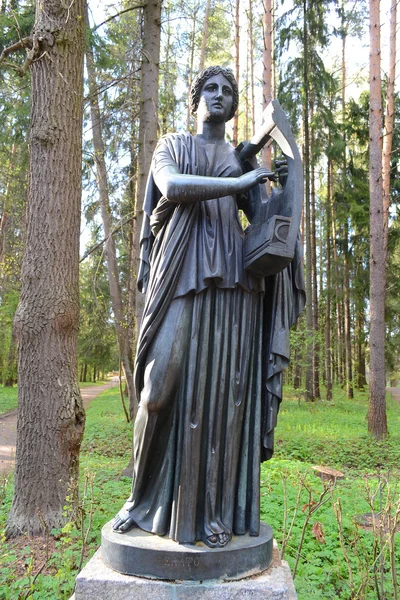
(319, 72)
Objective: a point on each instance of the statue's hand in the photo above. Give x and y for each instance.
(260, 175)
(123, 522)
(282, 171)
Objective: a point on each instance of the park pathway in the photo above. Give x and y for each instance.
(395, 392)
(8, 426)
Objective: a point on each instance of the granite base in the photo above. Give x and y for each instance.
(98, 582)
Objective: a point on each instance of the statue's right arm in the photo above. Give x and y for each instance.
(194, 188)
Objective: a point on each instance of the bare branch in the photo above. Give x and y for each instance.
(24, 43)
(115, 229)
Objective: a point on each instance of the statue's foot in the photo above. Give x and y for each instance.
(218, 540)
(123, 525)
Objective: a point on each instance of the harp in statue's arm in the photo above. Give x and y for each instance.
(271, 237)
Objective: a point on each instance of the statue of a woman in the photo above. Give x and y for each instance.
(204, 355)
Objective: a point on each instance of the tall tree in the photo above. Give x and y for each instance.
(377, 422)
(122, 326)
(148, 115)
(204, 35)
(305, 79)
(251, 59)
(267, 68)
(346, 256)
(51, 416)
(235, 131)
(389, 121)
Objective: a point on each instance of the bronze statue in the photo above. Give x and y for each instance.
(214, 336)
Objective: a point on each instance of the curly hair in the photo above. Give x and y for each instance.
(200, 80)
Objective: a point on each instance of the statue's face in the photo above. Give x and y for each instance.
(216, 99)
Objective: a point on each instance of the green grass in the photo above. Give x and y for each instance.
(105, 452)
(9, 395)
(8, 398)
(333, 434)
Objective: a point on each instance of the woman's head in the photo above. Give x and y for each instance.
(200, 80)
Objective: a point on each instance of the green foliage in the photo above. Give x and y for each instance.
(332, 434)
(288, 490)
(97, 341)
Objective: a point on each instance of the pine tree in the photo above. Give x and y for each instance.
(51, 416)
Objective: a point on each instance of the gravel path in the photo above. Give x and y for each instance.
(8, 426)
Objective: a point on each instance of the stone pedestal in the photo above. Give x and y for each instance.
(98, 582)
(146, 555)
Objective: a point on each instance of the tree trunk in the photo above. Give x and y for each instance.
(251, 57)
(306, 155)
(267, 70)
(346, 266)
(148, 117)
(389, 122)
(316, 349)
(237, 44)
(122, 328)
(339, 311)
(204, 36)
(377, 423)
(347, 316)
(247, 135)
(50, 415)
(361, 375)
(191, 66)
(328, 342)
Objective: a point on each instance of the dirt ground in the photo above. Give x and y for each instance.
(8, 426)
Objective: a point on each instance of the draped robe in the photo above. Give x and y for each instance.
(211, 350)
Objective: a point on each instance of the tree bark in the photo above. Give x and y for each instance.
(316, 348)
(389, 122)
(191, 66)
(148, 117)
(339, 310)
(306, 155)
(377, 423)
(267, 70)
(122, 326)
(50, 415)
(328, 342)
(361, 375)
(204, 36)
(251, 58)
(235, 129)
(346, 266)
